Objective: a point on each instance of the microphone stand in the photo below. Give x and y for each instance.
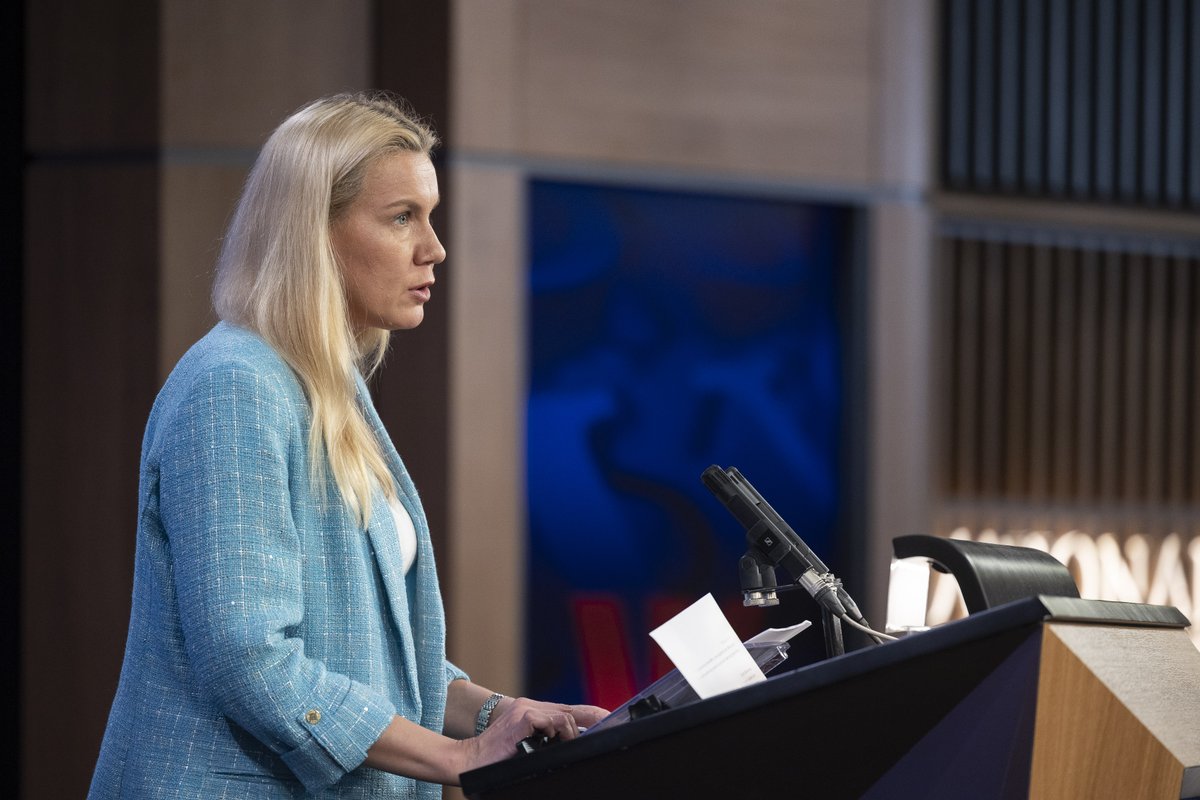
(757, 572)
(773, 543)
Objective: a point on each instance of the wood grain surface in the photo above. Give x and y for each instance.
(1118, 714)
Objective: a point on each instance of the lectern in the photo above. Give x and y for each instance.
(1043, 697)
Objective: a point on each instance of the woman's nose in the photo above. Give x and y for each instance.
(433, 252)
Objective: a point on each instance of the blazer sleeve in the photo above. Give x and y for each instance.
(224, 502)
(453, 673)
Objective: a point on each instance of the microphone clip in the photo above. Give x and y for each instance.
(757, 581)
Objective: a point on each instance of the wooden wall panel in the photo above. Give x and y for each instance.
(782, 89)
(233, 70)
(88, 372)
(12, 251)
(91, 67)
(485, 73)
(197, 201)
(411, 57)
(487, 437)
(143, 118)
(900, 447)
(1092, 99)
(88, 382)
(1070, 365)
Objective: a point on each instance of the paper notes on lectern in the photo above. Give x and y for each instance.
(706, 650)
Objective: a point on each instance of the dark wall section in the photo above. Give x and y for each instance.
(83, 321)
(1089, 100)
(89, 371)
(12, 160)
(412, 59)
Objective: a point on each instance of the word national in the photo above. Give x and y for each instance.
(1136, 569)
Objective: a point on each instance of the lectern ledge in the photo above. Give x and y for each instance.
(1040, 697)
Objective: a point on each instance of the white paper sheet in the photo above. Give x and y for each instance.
(706, 651)
(778, 635)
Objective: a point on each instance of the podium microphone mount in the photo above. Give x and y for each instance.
(773, 543)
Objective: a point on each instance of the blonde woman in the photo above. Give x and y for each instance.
(287, 636)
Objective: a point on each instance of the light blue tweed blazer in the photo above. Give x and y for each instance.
(271, 638)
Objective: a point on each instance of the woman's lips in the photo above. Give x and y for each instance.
(422, 292)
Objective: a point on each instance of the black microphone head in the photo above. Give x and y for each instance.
(716, 480)
(749, 573)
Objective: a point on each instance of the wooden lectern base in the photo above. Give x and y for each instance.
(1118, 714)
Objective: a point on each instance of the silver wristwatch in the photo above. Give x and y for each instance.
(484, 717)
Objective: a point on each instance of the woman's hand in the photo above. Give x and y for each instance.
(516, 718)
(581, 716)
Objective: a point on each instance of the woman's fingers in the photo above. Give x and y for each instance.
(587, 716)
(518, 718)
(515, 719)
(583, 716)
(554, 724)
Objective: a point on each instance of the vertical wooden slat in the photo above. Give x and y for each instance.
(1129, 59)
(1087, 377)
(1064, 387)
(984, 97)
(1082, 52)
(1193, 126)
(1105, 159)
(967, 407)
(1178, 376)
(1058, 96)
(1033, 111)
(1133, 424)
(957, 93)
(948, 251)
(1194, 383)
(991, 449)
(1156, 397)
(1151, 102)
(1008, 91)
(1174, 114)
(1041, 375)
(1017, 385)
(1112, 321)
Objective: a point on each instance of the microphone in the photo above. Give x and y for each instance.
(775, 543)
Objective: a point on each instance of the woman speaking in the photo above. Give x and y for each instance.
(287, 637)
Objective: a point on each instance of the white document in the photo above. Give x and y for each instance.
(778, 635)
(706, 651)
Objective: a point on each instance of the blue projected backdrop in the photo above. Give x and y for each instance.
(668, 332)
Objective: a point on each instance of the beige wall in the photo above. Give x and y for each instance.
(777, 89)
(231, 71)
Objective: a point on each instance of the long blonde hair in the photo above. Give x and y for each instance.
(278, 275)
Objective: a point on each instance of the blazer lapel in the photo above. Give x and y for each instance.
(386, 542)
